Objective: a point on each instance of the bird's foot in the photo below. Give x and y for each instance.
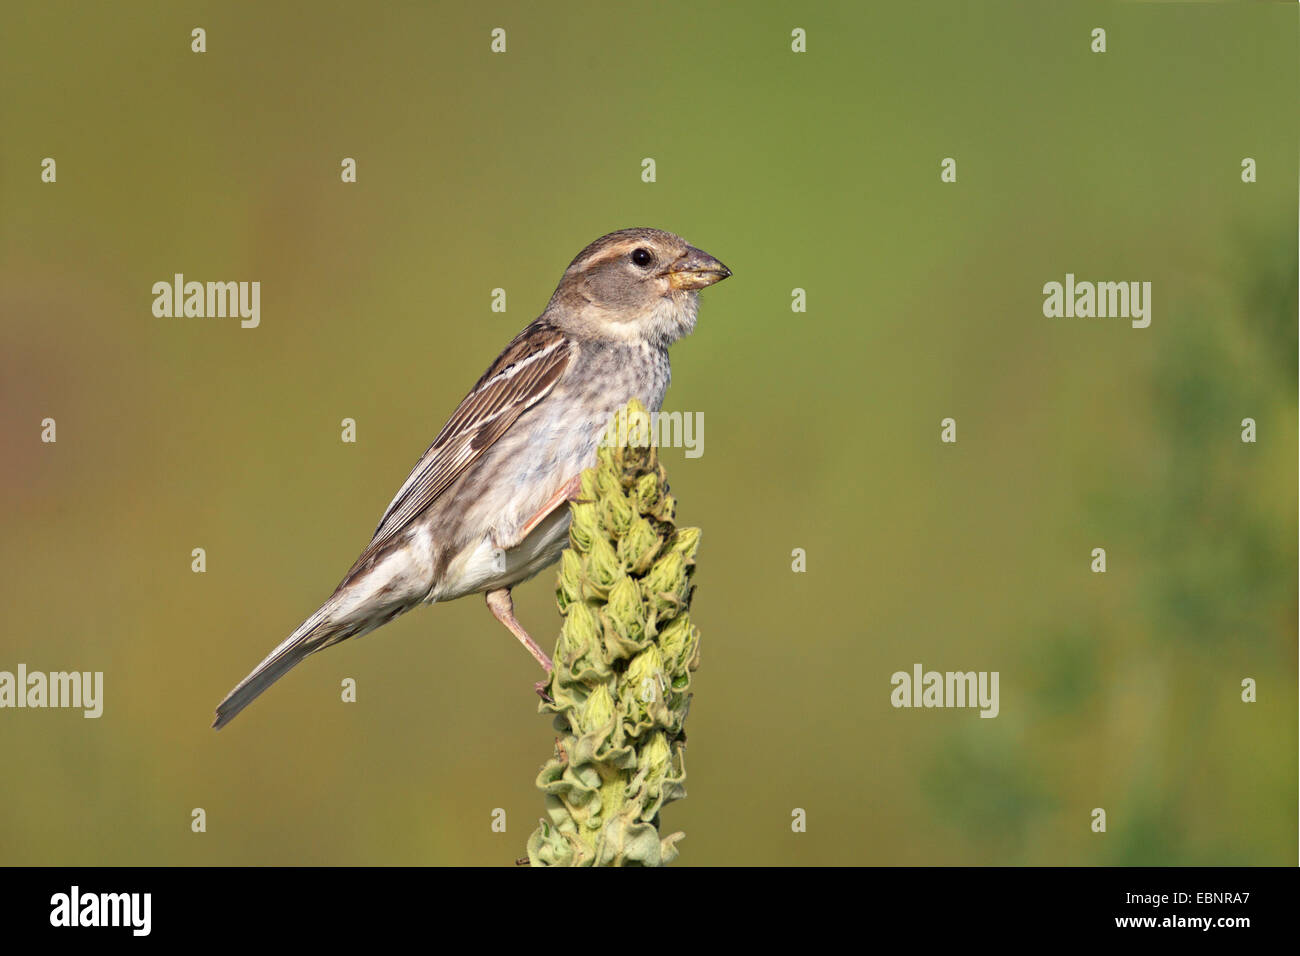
(541, 686)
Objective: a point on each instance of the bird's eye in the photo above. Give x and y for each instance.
(641, 257)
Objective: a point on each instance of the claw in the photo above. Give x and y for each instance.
(541, 686)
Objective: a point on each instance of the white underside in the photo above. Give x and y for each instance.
(486, 566)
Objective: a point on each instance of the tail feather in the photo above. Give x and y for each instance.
(312, 635)
(367, 599)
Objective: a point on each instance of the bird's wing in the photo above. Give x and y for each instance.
(521, 377)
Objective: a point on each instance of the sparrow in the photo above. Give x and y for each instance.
(486, 507)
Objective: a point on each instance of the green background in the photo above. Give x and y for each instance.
(817, 170)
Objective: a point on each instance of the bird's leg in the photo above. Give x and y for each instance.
(502, 607)
(568, 492)
(499, 601)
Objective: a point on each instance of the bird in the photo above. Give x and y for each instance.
(486, 507)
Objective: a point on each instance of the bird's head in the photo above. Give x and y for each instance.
(635, 285)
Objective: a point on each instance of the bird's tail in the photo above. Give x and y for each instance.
(313, 634)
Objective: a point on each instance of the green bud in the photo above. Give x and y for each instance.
(608, 483)
(603, 568)
(585, 526)
(624, 609)
(686, 542)
(646, 493)
(633, 427)
(638, 547)
(678, 642)
(643, 695)
(568, 590)
(581, 630)
(664, 585)
(656, 757)
(616, 513)
(598, 711)
(648, 664)
(589, 488)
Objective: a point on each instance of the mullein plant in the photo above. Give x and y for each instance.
(620, 687)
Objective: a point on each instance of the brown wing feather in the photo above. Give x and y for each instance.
(521, 376)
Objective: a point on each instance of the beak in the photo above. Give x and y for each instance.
(696, 269)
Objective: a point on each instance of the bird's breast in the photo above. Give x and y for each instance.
(523, 470)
